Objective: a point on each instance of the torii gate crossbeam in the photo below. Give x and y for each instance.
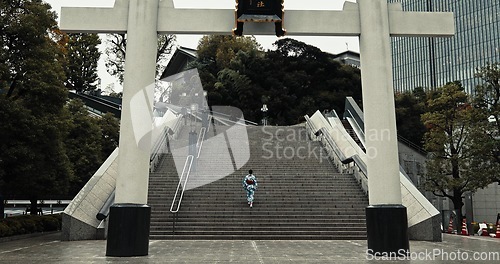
(221, 21)
(374, 21)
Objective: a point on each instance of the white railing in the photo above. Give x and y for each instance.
(199, 143)
(353, 164)
(185, 174)
(160, 147)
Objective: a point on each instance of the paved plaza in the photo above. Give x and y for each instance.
(50, 249)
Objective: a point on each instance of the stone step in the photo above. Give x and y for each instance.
(251, 227)
(298, 198)
(312, 234)
(292, 212)
(266, 221)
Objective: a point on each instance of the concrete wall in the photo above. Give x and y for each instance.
(79, 218)
(486, 203)
(422, 215)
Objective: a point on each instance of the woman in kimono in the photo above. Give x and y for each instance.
(250, 185)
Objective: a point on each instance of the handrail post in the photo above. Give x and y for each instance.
(174, 221)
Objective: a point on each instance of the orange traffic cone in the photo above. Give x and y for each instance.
(465, 232)
(450, 226)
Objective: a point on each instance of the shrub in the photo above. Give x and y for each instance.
(5, 230)
(26, 224)
(50, 223)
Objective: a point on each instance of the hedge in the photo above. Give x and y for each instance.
(26, 224)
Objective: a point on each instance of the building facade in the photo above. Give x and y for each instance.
(432, 62)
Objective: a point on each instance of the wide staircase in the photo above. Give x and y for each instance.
(300, 194)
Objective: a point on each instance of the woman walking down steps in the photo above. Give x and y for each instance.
(250, 185)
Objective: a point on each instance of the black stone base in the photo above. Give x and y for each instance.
(387, 230)
(128, 232)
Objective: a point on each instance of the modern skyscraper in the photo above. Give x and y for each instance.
(433, 62)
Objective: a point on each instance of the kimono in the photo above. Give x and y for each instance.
(249, 186)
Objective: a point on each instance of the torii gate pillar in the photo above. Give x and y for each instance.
(386, 217)
(374, 21)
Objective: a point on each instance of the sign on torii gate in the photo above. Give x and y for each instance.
(374, 21)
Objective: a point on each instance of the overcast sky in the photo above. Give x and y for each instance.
(327, 44)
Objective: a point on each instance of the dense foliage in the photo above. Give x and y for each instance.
(487, 103)
(455, 165)
(48, 148)
(293, 80)
(409, 107)
(33, 159)
(82, 57)
(27, 224)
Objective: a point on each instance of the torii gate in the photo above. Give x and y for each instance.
(374, 21)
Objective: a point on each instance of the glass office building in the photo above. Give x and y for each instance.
(432, 62)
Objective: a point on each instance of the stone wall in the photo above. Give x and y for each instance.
(79, 218)
(486, 203)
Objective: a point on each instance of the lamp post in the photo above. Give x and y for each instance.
(204, 111)
(192, 134)
(183, 109)
(264, 110)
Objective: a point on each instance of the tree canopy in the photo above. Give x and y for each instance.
(293, 80)
(409, 107)
(33, 159)
(82, 57)
(455, 165)
(487, 103)
(48, 147)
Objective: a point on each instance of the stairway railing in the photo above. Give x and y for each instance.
(160, 147)
(185, 174)
(356, 127)
(340, 160)
(199, 143)
(104, 212)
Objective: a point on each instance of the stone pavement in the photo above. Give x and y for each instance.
(49, 249)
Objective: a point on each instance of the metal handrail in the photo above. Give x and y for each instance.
(358, 162)
(201, 138)
(177, 126)
(189, 160)
(335, 148)
(412, 145)
(158, 148)
(209, 122)
(104, 212)
(357, 124)
(227, 119)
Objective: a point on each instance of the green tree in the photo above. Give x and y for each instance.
(110, 133)
(293, 80)
(409, 107)
(116, 51)
(84, 146)
(453, 167)
(487, 102)
(82, 58)
(33, 158)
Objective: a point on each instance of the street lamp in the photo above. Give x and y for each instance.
(193, 137)
(264, 110)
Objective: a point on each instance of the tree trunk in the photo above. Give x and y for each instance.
(457, 205)
(34, 206)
